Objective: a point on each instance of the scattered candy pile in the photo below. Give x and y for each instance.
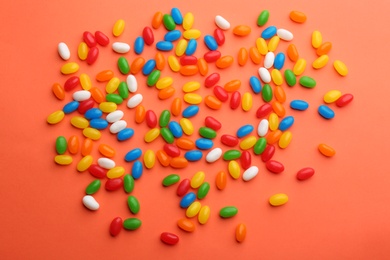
(179, 44)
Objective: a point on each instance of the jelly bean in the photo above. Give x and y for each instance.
(112, 85)
(176, 15)
(260, 146)
(262, 46)
(321, 61)
(299, 67)
(228, 212)
(71, 83)
(262, 128)
(210, 43)
(264, 74)
(250, 173)
(191, 34)
(214, 155)
(133, 204)
(279, 61)
(85, 105)
(203, 67)
(186, 225)
(332, 96)
(164, 82)
(246, 159)
(183, 188)
(231, 155)
(93, 187)
(284, 34)
(278, 199)
(71, 107)
(173, 63)
(171, 36)
(89, 39)
(106, 150)
(79, 122)
(123, 65)
(168, 22)
(106, 163)
(98, 123)
(203, 190)
(212, 102)
(242, 56)
(240, 232)
(221, 93)
(128, 183)
(166, 93)
(204, 144)
(244, 130)
(115, 98)
(305, 173)
(132, 223)
(299, 105)
(189, 70)
(247, 101)
(344, 100)
(118, 126)
(121, 47)
(157, 20)
(63, 51)
(285, 139)
(73, 144)
(169, 238)
(234, 169)
(125, 134)
(193, 155)
(87, 146)
(167, 135)
(274, 136)
(151, 135)
(197, 179)
(277, 77)
(326, 150)
(229, 140)
(274, 166)
(175, 129)
(82, 51)
(232, 85)
(207, 132)
(190, 111)
(151, 119)
(280, 95)
(118, 27)
(248, 142)
(290, 78)
(224, 62)
(316, 39)
(133, 155)
(286, 123)
(185, 143)
(113, 184)
(69, 68)
(139, 45)
(116, 226)
(212, 123)
(268, 32)
(340, 67)
(137, 170)
(170, 180)
(63, 159)
(219, 36)
(307, 82)
(97, 171)
(297, 16)
(172, 150)
(273, 43)
(123, 90)
(324, 48)
(92, 56)
(163, 158)
(241, 30)
(90, 203)
(153, 78)
(61, 145)
(58, 91)
(85, 81)
(269, 60)
(263, 110)
(164, 45)
(114, 116)
(187, 200)
(263, 17)
(193, 209)
(326, 112)
(107, 107)
(191, 86)
(101, 38)
(165, 116)
(292, 53)
(204, 214)
(188, 21)
(191, 47)
(84, 163)
(255, 84)
(268, 153)
(222, 22)
(160, 61)
(192, 98)
(104, 75)
(188, 60)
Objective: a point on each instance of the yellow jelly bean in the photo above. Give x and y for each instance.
(320, 61)
(192, 98)
(112, 85)
(188, 21)
(55, 117)
(84, 163)
(204, 215)
(181, 47)
(197, 179)
(285, 139)
(69, 68)
(261, 45)
(248, 142)
(63, 159)
(332, 96)
(316, 39)
(164, 82)
(273, 43)
(277, 77)
(115, 172)
(85, 81)
(193, 209)
(118, 28)
(191, 86)
(187, 126)
(192, 34)
(151, 135)
(340, 67)
(278, 199)
(79, 122)
(82, 51)
(299, 67)
(92, 133)
(149, 159)
(273, 121)
(247, 101)
(173, 63)
(107, 107)
(234, 169)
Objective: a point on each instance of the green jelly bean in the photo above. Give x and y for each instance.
(307, 82)
(123, 65)
(93, 187)
(167, 135)
(153, 78)
(228, 212)
(115, 98)
(128, 183)
(164, 118)
(170, 180)
(231, 155)
(203, 190)
(168, 22)
(260, 145)
(263, 18)
(61, 145)
(267, 93)
(290, 78)
(133, 204)
(207, 132)
(123, 90)
(132, 223)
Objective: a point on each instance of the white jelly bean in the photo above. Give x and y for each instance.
(114, 116)
(269, 60)
(262, 129)
(63, 51)
(250, 173)
(90, 202)
(284, 34)
(134, 101)
(222, 22)
(132, 84)
(264, 75)
(106, 163)
(81, 95)
(118, 126)
(120, 47)
(214, 155)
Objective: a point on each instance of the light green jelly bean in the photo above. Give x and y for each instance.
(263, 18)
(207, 132)
(203, 190)
(115, 98)
(128, 183)
(61, 145)
(307, 82)
(228, 212)
(93, 187)
(153, 78)
(231, 155)
(123, 65)
(164, 118)
(168, 22)
(132, 223)
(170, 180)
(123, 90)
(167, 135)
(266, 93)
(260, 145)
(133, 204)
(290, 78)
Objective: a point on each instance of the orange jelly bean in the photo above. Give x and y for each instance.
(203, 67)
(324, 48)
(176, 107)
(189, 70)
(255, 55)
(87, 146)
(160, 61)
(166, 93)
(279, 93)
(278, 108)
(185, 143)
(212, 102)
(104, 75)
(240, 232)
(186, 225)
(106, 150)
(224, 62)
(73, 144)
(163, 158)
(298, 17)
(137, 65)
(242, 56)
(157, 20)
(97, 95)
(220, 180)
(242, 30)
(326, 150)
(178, 162)
(58, 91)
(292, 52)
(273, 136)
(140, 113)
(232, 85)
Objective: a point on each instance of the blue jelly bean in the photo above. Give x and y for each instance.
(244, 130)
(98, 123)
(137, 169)
(176, 16)
(93, 113)
(190, 111)
(133, 155)
(139, 45)
(269, 32)
(164, 46)
(210, 42)
(203, 143)
(71, 107)
(286, 123)
(172, 36)
(255, 84)
(193, 155)
(299, 105)
(187, 200)
(326, 112)
(191, 47)
(176, 129)
(279, 61)
(125, 134)
(148, 67)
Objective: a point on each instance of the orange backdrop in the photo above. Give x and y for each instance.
(340, 213)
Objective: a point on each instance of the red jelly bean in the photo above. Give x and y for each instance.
(221, 93)
(246, 159)
(71, 83)
(263, 110)
(92, 56)
(212, 123)
(212, 56)
(219, 36)
(172, 150)
(211, 80)
(268, 153)
(188, 60)
(235, 100)
(229, 140)
(274, 166)
(169, 238)
(97, 171)
(151, 118)
(85, 105)
(305, 173)
(113, 184)
(148, 36)
(116, 226)
(101, 38)
(344, 100)
(183, 188)
(89, 39)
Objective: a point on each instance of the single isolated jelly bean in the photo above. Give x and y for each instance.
(222, 22)
(97, 171)
(276, 77)
(169, 238)
(172, 36)
(307, 82)
(326, 112)
(137, 170)
(148, 67)
(247, 101)
(183, 187)
(203, 190)
(229, 140)
(114, 116)
(197, 179)
(133, 204)
(192, 34)
(321, 61)
(212, 102)
(297, 16)
(240, 232)
(157, 20)
(344, 100)
(71, 107)
(171, 150)
(284, 34)
(61, 145)
(324, 48)
(163, 158)
(176, 15)
(305, 173)
(164, 119)
(290, 77)
(263, 110)
(118, 27)
(255, 84)
(63, 51)
(224, 62)
(340, 67)
(71, 83)
(242, 56)
(203, 67)
(132, 83)
(204, 144)
(262, 128)
(268, 32)
(299, 66)
(139, 45)
(250, 173)
(292, 53)
(106, 163)
(121, 47)
(300, 105)
(286, 123)
(79, 122)
(98, 123)
(123, 65)
(168, 22)
(90, 203)
(58, 91)
(262, 46)
(263, 17)
(264, 74)
(185, 143)
(164, 45)
(285, 139)
(188, 60)
(93, 187)
(87, 146)
(214, 155)
(246, 159)
(278, 108)
(178, 163)
(274, 166)
(123, 90)
(84, 163)
(278, 199)
(128, 183)
(132, 223)
(133, 155)
(85, 105)
(267, 93)
(212, 123)
(118, 126)
(187, 200)
(219, 36)
(125, 134)
(186, 225)
(73, 144)
(316, 39)
(244, 130)
(234, 169)
(231, 155)
(63, 159)
(248, 143)
(326, 150)
(221, 180)
(151, 135)
(116, 226)
(170, 180)
(207, 132)
(241, 30)
(273, 43)
(69, 68)
(228, 212)
(190, 111)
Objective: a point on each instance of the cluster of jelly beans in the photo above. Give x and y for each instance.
(273, 127)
